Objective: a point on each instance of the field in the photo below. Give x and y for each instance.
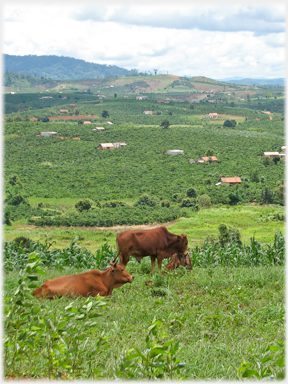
(224, 320)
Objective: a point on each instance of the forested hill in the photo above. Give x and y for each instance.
(60, 67)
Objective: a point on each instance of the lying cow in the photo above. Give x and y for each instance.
(158, 243)
(177, 260)
(85, 284)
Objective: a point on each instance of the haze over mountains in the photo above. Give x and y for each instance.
(60, 68)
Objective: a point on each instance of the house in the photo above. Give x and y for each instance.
(63, 111)
(119, 145)
(230, 180)
(141, 97)
(86, 122)
(204, 159)
(175, 152)
(98, 129)
(72, 105)
(106, 146)
(148, 112)
(48, 134)
(211, 116)
(271, 154)
(108, 122)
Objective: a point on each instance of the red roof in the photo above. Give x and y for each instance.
(214, 158)
(235, 179)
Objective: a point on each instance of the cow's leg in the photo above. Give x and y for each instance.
(159, 260)
(153, 264)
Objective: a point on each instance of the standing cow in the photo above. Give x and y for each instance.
(85, 284)
(158, 243)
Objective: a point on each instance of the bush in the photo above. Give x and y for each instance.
(191, 192)
(189, 203)
(165, 203)
(83, 205)
(146, 200)
(17, 200)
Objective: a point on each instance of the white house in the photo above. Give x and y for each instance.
(175, 152)
(48, 134)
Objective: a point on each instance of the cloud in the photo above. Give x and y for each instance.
(258, 19)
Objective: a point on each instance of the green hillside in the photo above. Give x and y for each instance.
(59, 67)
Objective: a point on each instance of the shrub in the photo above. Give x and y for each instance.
(191, 192)
(189, 203)
(83, 205)
(146, 200)
(165, 203)
(16, 200)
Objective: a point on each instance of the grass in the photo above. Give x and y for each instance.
(219, 316)
(251, 221)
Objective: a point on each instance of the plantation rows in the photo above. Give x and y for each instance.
(229, 254)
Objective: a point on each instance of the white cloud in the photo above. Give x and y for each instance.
(182, 40)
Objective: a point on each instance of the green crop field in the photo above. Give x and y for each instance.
(65, 200)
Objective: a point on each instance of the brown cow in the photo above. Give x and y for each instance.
(85, 284)
(177, 260)
(158, 243)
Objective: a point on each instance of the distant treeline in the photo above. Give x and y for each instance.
(60, 68)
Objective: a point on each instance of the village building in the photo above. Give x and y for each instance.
(98, 129)
(106, 146)
(86, 122)
(119, 145)
(271, 154)
(48, 134)
(211, 116)
(63, 111)
(230, 180)
(148, 112)
(204, 159)
(175, 152)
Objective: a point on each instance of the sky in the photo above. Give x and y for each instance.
(183, 38)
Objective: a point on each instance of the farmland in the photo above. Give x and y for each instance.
(69, 199)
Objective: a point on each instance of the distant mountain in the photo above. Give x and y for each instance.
(60, 67)
(249, 81)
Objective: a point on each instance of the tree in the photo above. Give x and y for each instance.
(280, 191)
(204, 201)
(105, 113)
(267, 196)
(83, 205)
(209, 152)
(229, 123)
(191, 192)
(165, 124)
(276, 159)
(146, 200)
(115, 95)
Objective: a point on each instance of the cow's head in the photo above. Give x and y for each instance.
(177, 260)
(120, 275)
(182, 244)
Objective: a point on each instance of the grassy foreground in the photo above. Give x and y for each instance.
(251, 220)
(223, 318)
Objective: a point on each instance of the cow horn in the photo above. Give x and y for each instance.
(115, 258)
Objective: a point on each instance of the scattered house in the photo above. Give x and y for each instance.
(106, 146)
(48, 134)
(86, 122)
(98, 129)
(12, 93)
(204, 159)
(119, 145)
(192, 161)
(141, 97)
(230, 180)
(108, 122)
(46, 97)
(148, 112)
(64, 111)
(160, 101)
(211, 116)
(267, 112)
(72, 105)
(175, 152)
(271, 154)
(283, 148)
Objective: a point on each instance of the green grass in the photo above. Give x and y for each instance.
(219, 317)
(251, 221)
